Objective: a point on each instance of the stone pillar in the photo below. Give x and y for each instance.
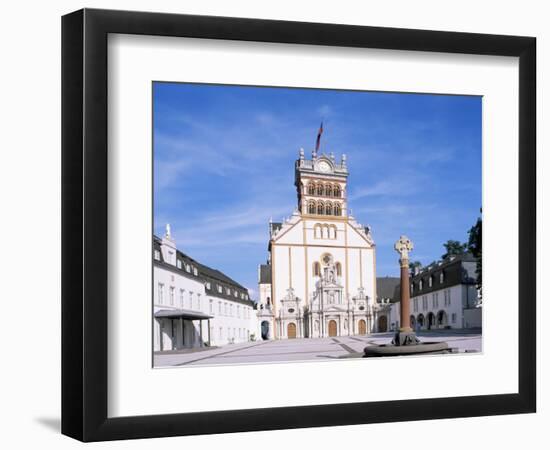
(405, 318)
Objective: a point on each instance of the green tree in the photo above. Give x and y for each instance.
(474, 247)
(454, 248)
(414, 265)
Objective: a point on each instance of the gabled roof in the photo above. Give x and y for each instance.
(385, 287)
(205, 274)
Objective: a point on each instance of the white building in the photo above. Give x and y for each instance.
(320, 277)
(194, 305)
(443, 295)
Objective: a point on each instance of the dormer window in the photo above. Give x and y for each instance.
(420, 285)
(188, 268)
(178, 263)
(430, 281)
(441, 277)
(208, 285)
(219, 289)
(195, 271)
(157, 255)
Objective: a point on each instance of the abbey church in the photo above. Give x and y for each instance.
(320, 276)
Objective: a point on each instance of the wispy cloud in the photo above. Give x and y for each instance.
(224, 164)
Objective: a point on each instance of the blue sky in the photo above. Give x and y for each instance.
(224, 164)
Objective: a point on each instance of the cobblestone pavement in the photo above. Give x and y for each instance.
(339, 347)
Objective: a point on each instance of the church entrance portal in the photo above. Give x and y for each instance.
(382, 324)
(332, 328)
(362, 327)
(291, 331)
(265, 330)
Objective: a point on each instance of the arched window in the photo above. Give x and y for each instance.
(333, 227)
(338, 269)
(316, 269)
(317, 231)
(337, 192)
(326, 231)
(328, 209)
(311, 189)
(328, 190)
(337, 210)
(311, 208)
(320, 208)
(320, 189)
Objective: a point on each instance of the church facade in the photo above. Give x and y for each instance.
(320, 276)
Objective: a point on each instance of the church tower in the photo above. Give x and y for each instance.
(321, 183)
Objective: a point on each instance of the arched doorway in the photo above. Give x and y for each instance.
(265, 330)
(442, 319)
(291, 330)
(431, 320)
(420, 320)
(362, 325)
(382, 324)
(332, 328)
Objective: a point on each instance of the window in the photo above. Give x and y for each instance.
(430, 281)
(328, 191)
(199, 306)
(424, 302)
(211, 306)
(181, 297)
(236, 294)
(319, 189)
(195, 271)
(337, 210)
(225, 308)
(453, 317)
(161, 293)
(188, 268)
(228, 291)
(435, 300)
(157, 255)
(172, 295)
(311, 189)
(447, 295)
(221, 333)
(316, 269)
(178, 263)
(239, 312)
(311, 208)
(336, 191)
(328, 209)
(441, 277)
(231, 310)
(320, 208)
(420, 285)
(208, 285)
(338, 269)
(220, 308)
(190, 300)
(219, 289)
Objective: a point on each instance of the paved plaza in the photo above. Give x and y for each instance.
(289, 350)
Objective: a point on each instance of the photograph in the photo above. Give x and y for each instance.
(304, 224)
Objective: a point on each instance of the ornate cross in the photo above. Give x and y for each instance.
(403, 246)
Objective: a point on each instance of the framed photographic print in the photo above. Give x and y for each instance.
(273, 224)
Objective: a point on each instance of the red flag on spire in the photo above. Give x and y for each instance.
(319, 137)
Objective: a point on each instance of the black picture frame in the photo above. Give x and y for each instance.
(84, 224)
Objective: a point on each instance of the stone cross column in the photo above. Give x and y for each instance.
(403, 246)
